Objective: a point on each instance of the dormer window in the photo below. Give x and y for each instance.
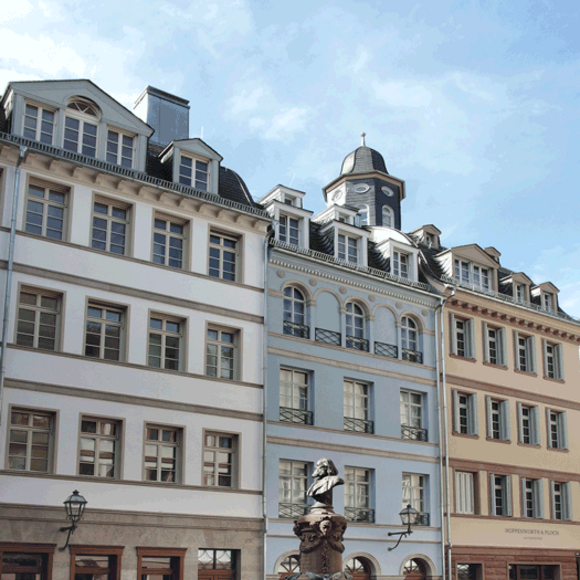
(347, 248)
(469, 273)
(520, 293)
(39, 124)
(120, 148)
(289, 230)
(80, 130)
(547, 302)
(388, 217)
(199, 179)
(400, 264)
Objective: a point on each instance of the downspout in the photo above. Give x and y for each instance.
(444, 437)
(6, 318)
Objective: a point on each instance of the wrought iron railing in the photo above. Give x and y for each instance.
(358, 425)
(327, 336)
(422, 519)
(294, 329)
(290, 415)
(412, 355)
(384, 349)
(356, 514)
(292, 510)
(414, 433)
(357, 343)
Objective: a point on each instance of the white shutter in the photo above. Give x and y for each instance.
(508, 495)
(474, 419)
(453, 333)
(488, 421)
(563, 428)
(539, 489)
(523, 493)
(553, 500)
(535, 421)
(521, 424)
(531, 342)
(517, 358)
(560, 359)
(470, 494)
(456, 423)
(567, 493)
(545, 356)
(502, 346)
(505, 420)
(492, 493)
(470, 338)
(485, 342)
(548, 427)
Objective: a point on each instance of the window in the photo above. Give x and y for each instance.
(355, 327)
(294, 396)
(90, 562)
(465, 413)
(388, 217)
(31, 438)
(165, 335)
(160, 563)
(223, 253)
(80, 134)
(221, 360)
(288, 567)
(400, 264)
(357, 412)
(494, 345)
(500, 492)
(469, 572)
(520, 293)
(553, 360)
(162, 453)
(295, 313)
(472, 274)
(347, 248)
(120, 148)
(187, 167)
(223, 560)
(464, 492)
(289, 231)
(110, 224)
(557, 429)
(219, 455)
(45, 210)
(560, 495)
(99, 449)
(531, 572)
(168, 242)
(38, 322)
(292, 486)
(547, 302)
(104, 331)
(414, 494)
(39, 124)
(525, 355)
(357, 495)
(498, 419)
(462, 337)
(26, 562)
(410, 340)
(529, 426)
(532, 500)
(412, 416)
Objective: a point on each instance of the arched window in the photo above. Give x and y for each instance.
(355, 327)
(388, 217)
(358, 568)
(288, 566)
(80, 128)
(410, 340)
(362, 218)
(414, 569)
(295, 313)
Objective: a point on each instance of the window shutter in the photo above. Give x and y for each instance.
(505, 423)
(473, 414)
(502, 346)
(471, 338)
(532, 350)
(488, 421)
(563, 428)
(485, 342)
(492, 493)
(535, 420)
(521, 424)
(553, 500)
(508, 495)
(567, 493)
(516, 354)
(539, 489)
(545, 356)
(523, 494)
(560, 357)
(470, 499)
(456, 426)
(548, 427)
(453, 333)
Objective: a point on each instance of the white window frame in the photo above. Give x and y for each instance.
(416, 484)
(359, 395)
(113, 225)
(557, 429)
(465, 487)
(166, 336)
(192, 180)
(216, 472)
(100, 448)
(363, 216)
(553, 360)
(503, 484)
(292, 486)
(465, 407)
(532, 493)
(498, 419)
(297, 384)
(358, 488)
(218, 250)
(390, 214)
(50, 205)
(525, 352)
(155, 462)
(44, 317)
(288, 232)
(107, 321)
(164, 238)
(124, 156)
(401, 264)
(528, 421)
(347, 248)
(466, 272)
(228, 371)
(39, 130)
(462, 336)
(83, 119)
(494, 345)
(561, 500)
(547, 302)
(412, 412)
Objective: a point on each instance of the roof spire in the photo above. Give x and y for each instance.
(362, 139)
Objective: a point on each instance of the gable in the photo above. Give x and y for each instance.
(197, 146)
(474, 253)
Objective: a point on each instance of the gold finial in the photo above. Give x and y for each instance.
(362, 139)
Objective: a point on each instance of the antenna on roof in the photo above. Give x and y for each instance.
(362, 139)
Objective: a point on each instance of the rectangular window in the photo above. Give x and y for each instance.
(38, 322)
(103, 562)
(547, 302)
(162, 453)
(347, 249)
(462, 339)
(561, 500)
(80, 137)
(498, 419)
(557, 422)
(219, 456)
(400, 264)
(221, 359)
(357, 408)
(46, 208)
(26, 562)
(168, 242)
(481, 277)
(294, 395)
(100, 447)
(223, 560)
(469, 572)
(494, 345)
(199, 179)
(529, 426)
(532, 501)
(289, 230)
(500, 491)
(520, 293)
(39, 124)
(357, 495)
(120, 148)
(465, 420)
(31, 439)
(110, 227)
(223, 256)
(104, 332)
(525, 352)
(160, 563)
(292, 486)
(553, 360)
(165, 336)
(469, 273)
(414, 494)
(412, 426)
(465, 492)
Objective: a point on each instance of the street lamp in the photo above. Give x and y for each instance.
(409, 517)
(74, 507)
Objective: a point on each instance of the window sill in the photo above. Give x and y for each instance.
(533, 445)
(466, 435)
(464, 358)
(506, 441)
(527, 373)
(558, 450)
(495, 366)
(555, 380)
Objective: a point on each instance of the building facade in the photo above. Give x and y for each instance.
(131, 368)
(351, 373)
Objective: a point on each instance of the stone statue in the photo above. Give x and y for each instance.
(327, 478)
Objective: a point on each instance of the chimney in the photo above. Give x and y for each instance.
(167, 114)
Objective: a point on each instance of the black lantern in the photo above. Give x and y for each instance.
(409, 517)
(74, 507)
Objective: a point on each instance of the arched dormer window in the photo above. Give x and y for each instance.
(362, 218)
(355, 327)
(295, 313)
(410, 340)
(388, 217)
(80, 127)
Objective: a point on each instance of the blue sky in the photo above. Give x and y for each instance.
(473, 103)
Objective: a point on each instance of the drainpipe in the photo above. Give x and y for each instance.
(6, 318)
(444, 437)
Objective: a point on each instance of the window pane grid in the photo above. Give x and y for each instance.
(294, 389)
(104, 328)
(289, 230)
(414, 491)
(168, 243)
(45, 212)
(292, 486)
(220, 353)
(38, 317)
(30, 439)
(356, 400)
(80, 137)
(120, 149)
(98, 452)
(161, 453)
(39, 124)
(357, 490)
(109, 231)
(164, 342)
(222, 257)
(218, 460)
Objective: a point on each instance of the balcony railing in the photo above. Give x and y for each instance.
(412, 355)
(388, 350)
(358, 425)
(414, 433)
(327, 336)
(294, 329)
(357, 343)
(422, 519)
(295, 416)
(355, 514)
(292, 510)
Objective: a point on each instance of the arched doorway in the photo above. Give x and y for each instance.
(289, 565)
(358, 568)
(415, 569)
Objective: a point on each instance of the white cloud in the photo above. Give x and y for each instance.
(402, 93)
(12, 11)
(286, 123)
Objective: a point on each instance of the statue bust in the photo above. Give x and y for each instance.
(326, 476)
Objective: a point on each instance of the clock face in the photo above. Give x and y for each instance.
(387, 191)
(362, 188)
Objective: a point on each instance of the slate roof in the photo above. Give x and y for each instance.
(363, 160)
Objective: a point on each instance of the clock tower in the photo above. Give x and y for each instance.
(365, 184)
